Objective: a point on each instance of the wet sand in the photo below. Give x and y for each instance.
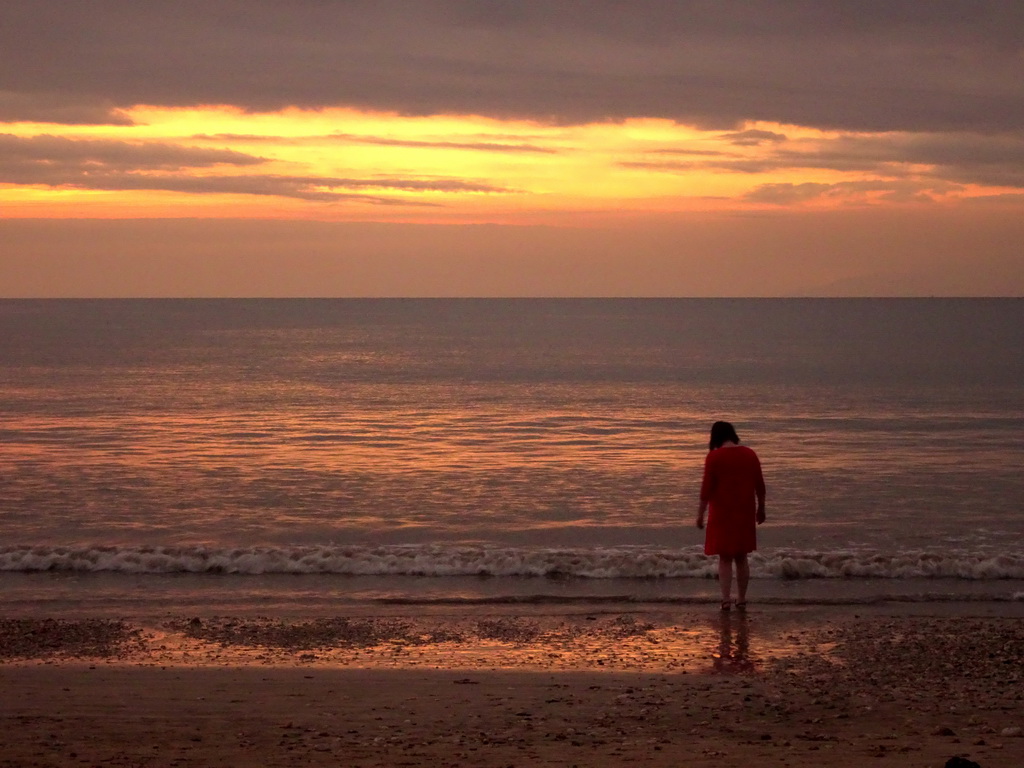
(521, 687)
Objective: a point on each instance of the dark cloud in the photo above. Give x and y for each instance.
(297, 187)
(479, 146)
(117, 165)
(962, 158)
(65, 109)
(949, 150)
(351, 138)
(753, 138)
(894, 191)
(990, 160)
(255, 138)
(868, 65)
(690, 152)
(738, 165)
(59, 154)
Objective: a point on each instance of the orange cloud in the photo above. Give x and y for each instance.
(344, 164)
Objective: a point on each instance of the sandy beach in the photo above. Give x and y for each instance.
(523, 686)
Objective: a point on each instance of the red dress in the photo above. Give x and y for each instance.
(732, 485)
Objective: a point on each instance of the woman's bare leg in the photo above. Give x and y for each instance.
(742, 577)
(725, 576)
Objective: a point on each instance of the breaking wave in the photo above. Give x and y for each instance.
(457, 560)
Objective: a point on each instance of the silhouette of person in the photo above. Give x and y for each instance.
(732, 495)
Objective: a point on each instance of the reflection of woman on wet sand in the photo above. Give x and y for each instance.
(733, 652)
(733, 491)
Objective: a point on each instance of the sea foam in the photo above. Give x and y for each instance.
(457, 560)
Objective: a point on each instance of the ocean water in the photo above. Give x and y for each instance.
(437, 450)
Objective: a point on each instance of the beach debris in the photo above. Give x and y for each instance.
(510, 630)
(443, 634)
(1011, 732)
(46, 638)
(628, 626)
(961, 762)
(301, 635)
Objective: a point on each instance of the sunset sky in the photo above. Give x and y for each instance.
(511, 148)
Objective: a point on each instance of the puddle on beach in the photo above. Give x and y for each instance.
(730, 643)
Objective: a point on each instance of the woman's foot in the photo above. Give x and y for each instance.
(726, 605)
(741, 605)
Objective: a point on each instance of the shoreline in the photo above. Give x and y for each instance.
(113, 595)
(508, 686)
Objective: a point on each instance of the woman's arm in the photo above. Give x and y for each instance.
(707, 485)
(759, 490)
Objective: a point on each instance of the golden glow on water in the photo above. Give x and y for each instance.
(513, 424)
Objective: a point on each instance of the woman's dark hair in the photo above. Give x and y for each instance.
(722, 432)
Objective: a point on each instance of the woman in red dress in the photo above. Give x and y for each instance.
(733, 488)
